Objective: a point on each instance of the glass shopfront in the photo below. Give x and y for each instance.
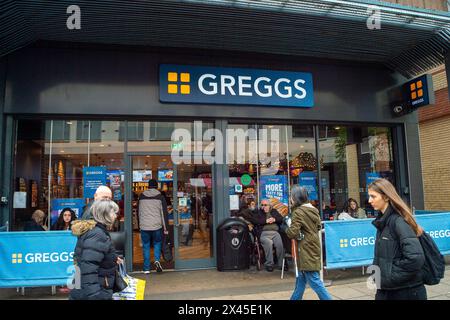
(264, 161)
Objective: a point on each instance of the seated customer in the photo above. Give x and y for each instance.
(37, 222)
(65, 219)
(268, 222)
(354, 210)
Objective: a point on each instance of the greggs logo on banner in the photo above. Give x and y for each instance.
(35, 258)
(351, 243)
(195, 84)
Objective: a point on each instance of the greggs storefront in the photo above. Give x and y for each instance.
(215, 128)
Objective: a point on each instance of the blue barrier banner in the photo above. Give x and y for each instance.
(351, 243)
(33, 259)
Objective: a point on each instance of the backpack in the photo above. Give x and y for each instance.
(434, 267)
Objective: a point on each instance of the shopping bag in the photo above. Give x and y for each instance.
(135, 289)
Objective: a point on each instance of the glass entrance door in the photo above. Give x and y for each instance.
(187, 189)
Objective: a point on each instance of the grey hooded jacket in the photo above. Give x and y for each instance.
(152, 208)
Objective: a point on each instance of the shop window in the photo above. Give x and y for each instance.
(49, 167)
(352, 158)
(283, 156)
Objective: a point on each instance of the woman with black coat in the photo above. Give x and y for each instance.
(94, 254)
(398, 252)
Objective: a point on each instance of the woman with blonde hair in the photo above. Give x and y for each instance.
(398, 252)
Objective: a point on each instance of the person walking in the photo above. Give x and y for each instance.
(305, 227)
(398, 252)
(94, 253)
(153, 219)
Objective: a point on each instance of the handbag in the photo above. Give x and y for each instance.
(119, 282)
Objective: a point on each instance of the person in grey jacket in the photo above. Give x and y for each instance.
(153, 219)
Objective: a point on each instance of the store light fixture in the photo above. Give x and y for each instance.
(69, 122)
(102, 145)
(62, 151)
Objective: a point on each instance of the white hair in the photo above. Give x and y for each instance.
(104, 211)
(103, 189)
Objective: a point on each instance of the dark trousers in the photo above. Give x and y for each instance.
(415, 293)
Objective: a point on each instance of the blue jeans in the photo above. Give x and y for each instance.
(147, 237)
(313, 278)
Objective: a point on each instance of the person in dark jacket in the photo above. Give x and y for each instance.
(94, 253)
(304, 228)
(398, 252)
(65, 219)
(37, 222)
(267, 223)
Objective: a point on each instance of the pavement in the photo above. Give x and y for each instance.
(210, 284)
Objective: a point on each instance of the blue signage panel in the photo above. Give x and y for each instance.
(309, 181)
(371, 177)
(31, 259)
(199, 84)
(351, 243)
(274, 187)
(93, 177)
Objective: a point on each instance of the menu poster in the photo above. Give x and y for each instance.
(93, 177)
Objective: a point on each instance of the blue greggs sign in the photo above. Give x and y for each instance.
(199, 84)
(36, 258)
(351, 243)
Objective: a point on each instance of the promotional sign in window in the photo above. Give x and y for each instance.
(274, 187)
(58, 205)
(93, 177)
(165, 175)
(371, 177)
(309, 181)
(212, 85)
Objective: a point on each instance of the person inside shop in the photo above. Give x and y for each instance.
(37, 223)
(102, 193)
(153, 221)
(351, 211)
(268, 221)
(354, 210)
(65, 219)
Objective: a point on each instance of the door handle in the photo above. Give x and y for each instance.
(177, 218)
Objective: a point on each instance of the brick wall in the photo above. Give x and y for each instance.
(434, 127)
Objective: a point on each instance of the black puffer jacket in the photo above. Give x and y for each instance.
(398, 252)
(96, 258)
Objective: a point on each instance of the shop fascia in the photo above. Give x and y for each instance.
(242, 145)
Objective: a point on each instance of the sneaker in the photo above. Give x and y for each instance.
(269, 268)
(158, 266)
(146, 271)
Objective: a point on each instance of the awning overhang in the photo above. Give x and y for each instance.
(410, 41)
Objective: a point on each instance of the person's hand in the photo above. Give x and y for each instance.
(119, 260)
(166, 232)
